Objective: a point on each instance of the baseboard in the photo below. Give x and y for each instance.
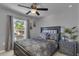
(77, 54)
(2, 51)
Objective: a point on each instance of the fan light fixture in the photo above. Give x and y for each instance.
(33, 11)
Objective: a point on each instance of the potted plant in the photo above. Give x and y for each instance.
(68, 45)
(70, 33)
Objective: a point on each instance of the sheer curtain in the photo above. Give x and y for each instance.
(10, 31)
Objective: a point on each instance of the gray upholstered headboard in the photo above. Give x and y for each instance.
(55, 28)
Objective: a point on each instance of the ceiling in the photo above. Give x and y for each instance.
(53, 8)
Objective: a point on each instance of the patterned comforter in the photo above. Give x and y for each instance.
(38, 47)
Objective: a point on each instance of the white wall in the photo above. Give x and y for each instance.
(78, 18)
(34, 31)
(67, 18)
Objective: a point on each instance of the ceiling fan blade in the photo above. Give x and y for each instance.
(37, 13)
(28, 12)
(24, 6)
(42, 9)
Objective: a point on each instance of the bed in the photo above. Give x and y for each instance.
(39, 46)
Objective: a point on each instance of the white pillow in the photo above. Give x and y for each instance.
(42, 35)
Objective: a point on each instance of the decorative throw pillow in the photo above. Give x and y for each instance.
(54, 36)
(42, 35)
(47, 35)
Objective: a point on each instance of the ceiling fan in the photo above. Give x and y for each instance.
(34, 8)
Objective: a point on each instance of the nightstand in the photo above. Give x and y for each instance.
(67, 47)
(77, 48)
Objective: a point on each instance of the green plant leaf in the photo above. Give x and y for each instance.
(19, 25)
(74, 36)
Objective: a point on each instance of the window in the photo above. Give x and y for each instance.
(19, 29)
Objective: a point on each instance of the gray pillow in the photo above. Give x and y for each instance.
(54, 36)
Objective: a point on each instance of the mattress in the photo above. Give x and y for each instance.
(38, 47)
